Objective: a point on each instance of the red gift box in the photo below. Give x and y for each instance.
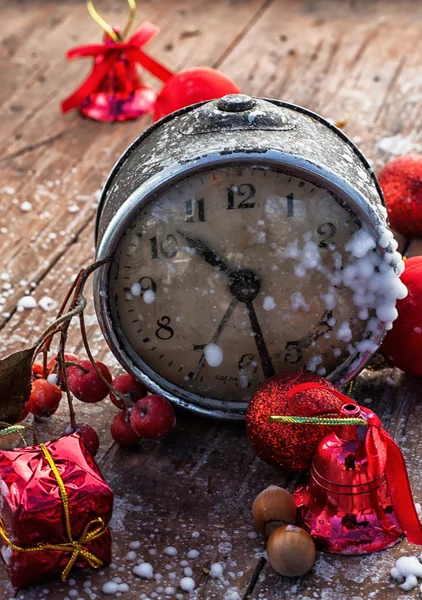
(54, 509)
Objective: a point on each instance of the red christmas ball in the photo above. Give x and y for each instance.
(401, 182)
(191, 86)
(289, 446)
(402, 345)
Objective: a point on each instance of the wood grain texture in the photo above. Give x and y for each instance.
(357, 61)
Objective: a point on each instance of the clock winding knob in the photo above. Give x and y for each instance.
(235, 103)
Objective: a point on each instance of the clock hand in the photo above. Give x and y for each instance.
(215, 337)
(206, 253)
(267, 365)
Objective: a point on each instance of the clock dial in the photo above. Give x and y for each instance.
(233, 275)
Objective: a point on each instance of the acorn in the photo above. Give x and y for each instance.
(291, 551)
(273, 507)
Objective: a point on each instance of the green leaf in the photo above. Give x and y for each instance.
(15, 384)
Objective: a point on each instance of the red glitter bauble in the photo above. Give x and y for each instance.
(289, 446)
(401, 182)
(402, 345)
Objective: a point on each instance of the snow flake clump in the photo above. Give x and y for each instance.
(149, 297)
(216, 570)
(187, 584)
(213, 355)
(269, 303)
(47, 303)
(407, 569)
(26, 302)
(144, 570)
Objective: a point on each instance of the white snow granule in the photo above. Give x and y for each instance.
(73, 208)
(216, 570)
(193, 554)
(136, 289)
(74, 593)
(397, 144)
(135, 545)
(187, 584)
(109, 588)
(26, 302)
(344, 333)
(170, 551)
(297, 302)
(169, 591)
(26, 206)
(232, 594)
(213, 355)
(195, 534)
(405, 566)
(47, 303)
(144, 570)
(52, 378)
(131, 555)
(149, 297)
(123, 588)
(187, 571)
(360, 243)
(410, 583)
(269, 303)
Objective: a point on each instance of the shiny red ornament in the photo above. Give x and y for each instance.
(114, 91)
(32, 510)
(289, 446)
(401, 182)
(402, 345)
(357, 498)
(191, 86)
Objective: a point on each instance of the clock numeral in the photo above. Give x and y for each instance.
(169, 247)
(148, 286)
(328, 230)
(190, 210)
(293, 353)
(164, 332)
(248, 361)
(245, 189)
(290, 212)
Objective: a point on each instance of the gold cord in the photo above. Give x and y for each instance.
(106, 26)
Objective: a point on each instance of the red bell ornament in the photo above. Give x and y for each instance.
(114, 90)
(357, 498)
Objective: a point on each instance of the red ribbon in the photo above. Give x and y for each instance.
(384, 456)
(110, 52)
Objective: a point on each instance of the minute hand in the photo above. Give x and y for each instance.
(206, 253)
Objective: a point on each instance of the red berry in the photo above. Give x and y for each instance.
(401, 182)
(126, 384)
(122, 432)
(89, 437)
(152, 417)
(86, 384)
(53, 364)
(45, 398)
(37, 370)
(402, 345)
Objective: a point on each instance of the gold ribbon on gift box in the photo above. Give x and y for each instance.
(93, 530)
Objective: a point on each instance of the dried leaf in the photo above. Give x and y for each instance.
(15, 384)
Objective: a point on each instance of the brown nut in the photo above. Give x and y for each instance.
(273, 507)
(291, 551)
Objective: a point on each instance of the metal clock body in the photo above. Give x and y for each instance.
(238, 230)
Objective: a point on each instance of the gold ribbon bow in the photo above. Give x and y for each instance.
(94, 529)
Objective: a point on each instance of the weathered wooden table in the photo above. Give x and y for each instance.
(358, 61)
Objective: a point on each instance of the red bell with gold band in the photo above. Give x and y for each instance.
(344, 507)
(121, 95)
(357, 498)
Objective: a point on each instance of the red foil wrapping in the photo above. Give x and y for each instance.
(32, 511)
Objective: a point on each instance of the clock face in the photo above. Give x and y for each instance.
(233, 275)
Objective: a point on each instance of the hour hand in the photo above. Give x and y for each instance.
(206, 253)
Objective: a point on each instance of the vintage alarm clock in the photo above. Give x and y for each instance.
(244, 236)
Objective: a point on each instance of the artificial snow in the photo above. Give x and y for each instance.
(47, 303)
(149, 297)
(187, 584)
(216, 570)
(298, 302)
(52, 378)
(135, 545)
(192, 554)
(136, 289)
(269, 303)
(360, 243)
(213, 355)
(170, 551)
(26, 206)
(187, 571)
(27, 302)
(144, 570)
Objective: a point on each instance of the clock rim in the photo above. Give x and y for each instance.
(276, 160)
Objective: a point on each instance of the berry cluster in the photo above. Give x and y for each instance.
(142, 416)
